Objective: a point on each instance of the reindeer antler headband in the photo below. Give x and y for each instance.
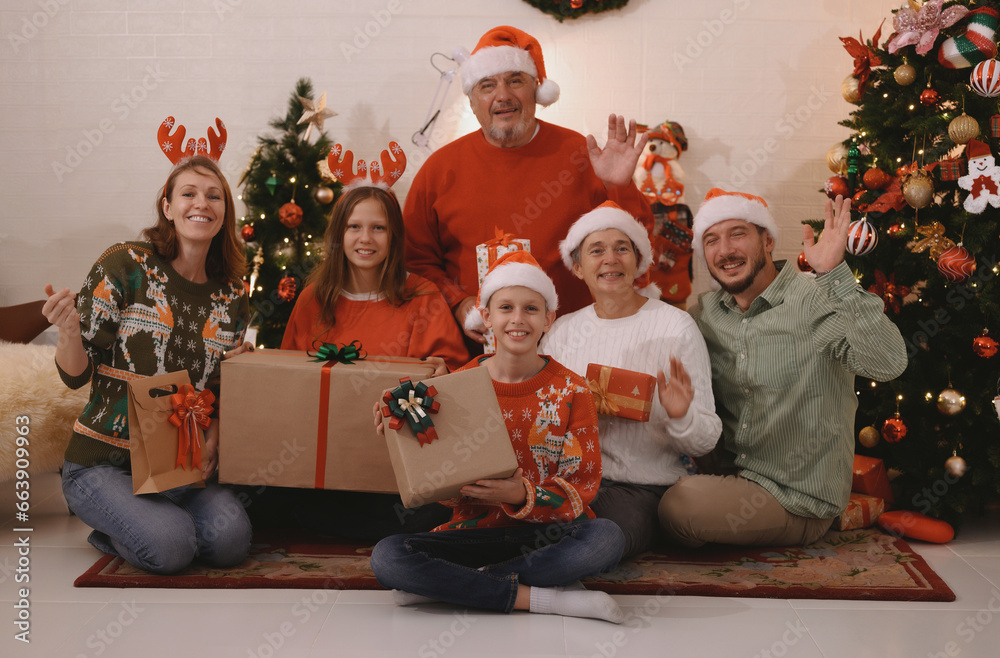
(171, 144)
(383, 174)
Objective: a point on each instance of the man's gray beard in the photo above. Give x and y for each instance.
(510, 135)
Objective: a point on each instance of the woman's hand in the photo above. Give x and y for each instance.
(677, 394)
(60, 310)
(377, 409)
(509, 490)
(247, 346)
(210, 451)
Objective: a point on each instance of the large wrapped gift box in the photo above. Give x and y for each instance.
(471, 439)
(862, 512)
(871, 478)
(620, 392)
(487, 253)
(287, 420)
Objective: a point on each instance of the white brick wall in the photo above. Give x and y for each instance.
(84, 84)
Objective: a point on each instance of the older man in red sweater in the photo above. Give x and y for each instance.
(529, 178)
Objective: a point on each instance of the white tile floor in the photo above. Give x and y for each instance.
(140, 623)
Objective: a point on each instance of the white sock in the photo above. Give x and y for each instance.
(575, 603)
(575, 586)
(408, 598)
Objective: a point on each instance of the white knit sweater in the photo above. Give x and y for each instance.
(633, 451)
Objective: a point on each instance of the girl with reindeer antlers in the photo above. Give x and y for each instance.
(362, 291)
(174, 301)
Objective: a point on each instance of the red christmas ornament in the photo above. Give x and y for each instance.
(929, 97)
(894, 429)
(984, 346)
(894, 230)
(248, 232)
(836, 186)
(287, 288)
(290, 214)
(861, 237)
(876, 179)
(856, 202)
(804, 264)
(956, 264)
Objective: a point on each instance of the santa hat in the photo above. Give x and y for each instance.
(608, 215)
(976, 149)
(671, 131)
(720, 206)
(515, 268)
(503, 49)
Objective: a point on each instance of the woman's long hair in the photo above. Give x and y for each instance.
(330, 277)
(226, 260)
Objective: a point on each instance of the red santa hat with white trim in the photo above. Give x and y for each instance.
(507, 48)
(608, 215)
(515, 268)
(976, 149)
(720, 206)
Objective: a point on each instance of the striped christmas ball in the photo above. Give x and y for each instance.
(985, 78)
(956, 264)
(861, 238)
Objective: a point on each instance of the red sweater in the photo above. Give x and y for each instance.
(552, 423)
(421, 327)
(536, 191)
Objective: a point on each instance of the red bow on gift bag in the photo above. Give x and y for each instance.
(191, 412)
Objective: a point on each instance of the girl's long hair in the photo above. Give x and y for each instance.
(330, 277)
(226, 260)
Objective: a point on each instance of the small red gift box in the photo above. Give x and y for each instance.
(953, 169)
(870, 478)
(620, 392)
(862, 512)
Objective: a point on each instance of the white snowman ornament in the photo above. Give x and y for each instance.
(983, 179)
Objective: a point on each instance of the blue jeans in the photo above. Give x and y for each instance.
(481, 567)
(161, 533)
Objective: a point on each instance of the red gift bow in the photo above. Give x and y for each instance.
(191, 411)
(501, 238)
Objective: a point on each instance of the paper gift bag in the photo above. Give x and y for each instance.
(471, 440)
(487, 253)
(620, 392)
(871, 478)
(291, 421)
(154, 439)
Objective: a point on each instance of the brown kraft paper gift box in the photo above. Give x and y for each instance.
(472, 441)
(270, 432)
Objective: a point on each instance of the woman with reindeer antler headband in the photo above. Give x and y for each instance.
(174, 301)
(362, 291)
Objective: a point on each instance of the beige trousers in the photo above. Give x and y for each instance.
(732, 510)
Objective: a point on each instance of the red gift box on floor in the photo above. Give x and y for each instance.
(620, 392)
(862, 512)
(870, 478)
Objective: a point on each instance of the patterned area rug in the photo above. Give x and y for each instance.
(854, 564)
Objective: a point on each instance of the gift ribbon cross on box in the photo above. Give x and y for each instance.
(411, 403)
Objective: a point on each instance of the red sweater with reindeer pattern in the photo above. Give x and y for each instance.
(138, 318)
(552, 423)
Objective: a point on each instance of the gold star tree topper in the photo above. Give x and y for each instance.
(315, 113)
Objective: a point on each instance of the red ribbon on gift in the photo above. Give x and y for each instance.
(192, 410)
(501, 239)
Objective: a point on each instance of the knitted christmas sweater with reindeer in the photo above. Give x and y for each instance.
(552, 423)
(138, 318)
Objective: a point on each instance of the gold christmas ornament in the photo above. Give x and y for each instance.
(324, 195)
(905, 74)
(955, 466)
(869, 436)
(950, 402)
(849, 89)
(836, 159)
(933, 240)
(918, 189)
(963, 128)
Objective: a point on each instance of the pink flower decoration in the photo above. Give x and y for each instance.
(922, 27)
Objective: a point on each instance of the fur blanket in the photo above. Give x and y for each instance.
(30, 388)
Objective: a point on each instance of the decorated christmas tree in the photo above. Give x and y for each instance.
(288, 203)
(920, 167)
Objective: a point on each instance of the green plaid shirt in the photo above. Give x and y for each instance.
(783, 376)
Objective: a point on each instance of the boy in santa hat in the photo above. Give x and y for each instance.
(785, 347)
(608, 249)
(520, 543)
(529, 178)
